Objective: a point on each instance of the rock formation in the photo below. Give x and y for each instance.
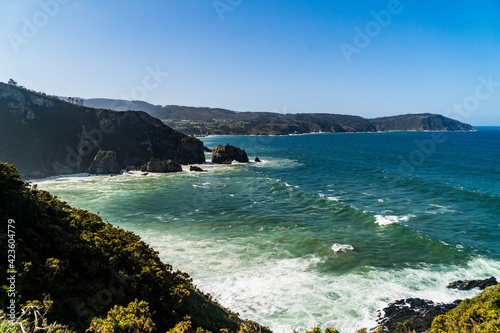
(196, 168)
(227, 154)
(412, 314)
(45, 136)
(470, 284)
(104, 163)
(156, 165)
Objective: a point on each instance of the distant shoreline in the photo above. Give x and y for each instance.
(316, 133)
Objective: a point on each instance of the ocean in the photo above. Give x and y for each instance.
(326, 230)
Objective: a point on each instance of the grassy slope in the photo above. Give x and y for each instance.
(88, 266)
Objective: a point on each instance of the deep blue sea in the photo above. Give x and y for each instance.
(326, 230)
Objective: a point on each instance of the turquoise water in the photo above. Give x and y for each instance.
(328, 229)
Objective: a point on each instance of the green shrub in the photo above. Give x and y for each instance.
(317, 329)
(32, 319)
(135, 318)
(480, 314)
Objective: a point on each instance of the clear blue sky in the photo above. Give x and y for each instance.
(283, 56)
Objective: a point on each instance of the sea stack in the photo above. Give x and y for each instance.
(227, 154)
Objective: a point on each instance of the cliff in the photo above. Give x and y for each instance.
(46, 136)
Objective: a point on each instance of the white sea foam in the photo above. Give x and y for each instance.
(386, 220)
(275, 284)
(321, 195)
(292, 293)
(87, 177)
(391, 219)
(66, 178)
(342, 248)
(268, 283)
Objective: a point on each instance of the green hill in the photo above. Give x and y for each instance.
(216, 121)
(419, 122)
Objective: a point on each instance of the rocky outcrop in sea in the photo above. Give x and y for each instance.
(227, 154)
(156, 165)
(471, 284)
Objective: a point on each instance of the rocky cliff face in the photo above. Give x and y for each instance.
(45, 136)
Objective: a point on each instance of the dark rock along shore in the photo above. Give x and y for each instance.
(156, 165)
(471, 284)
(417, 314)
(412, 314)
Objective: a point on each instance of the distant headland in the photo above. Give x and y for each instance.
(201, 121)
(47, 135)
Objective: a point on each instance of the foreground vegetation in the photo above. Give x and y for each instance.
(74, 269)
(76, 273)
(480, 314)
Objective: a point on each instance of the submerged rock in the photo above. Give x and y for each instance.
(412, 314)
(161, 166)
(227, 154)
(104, 163)
(257, 159)
(470, 284)
(195, 168)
